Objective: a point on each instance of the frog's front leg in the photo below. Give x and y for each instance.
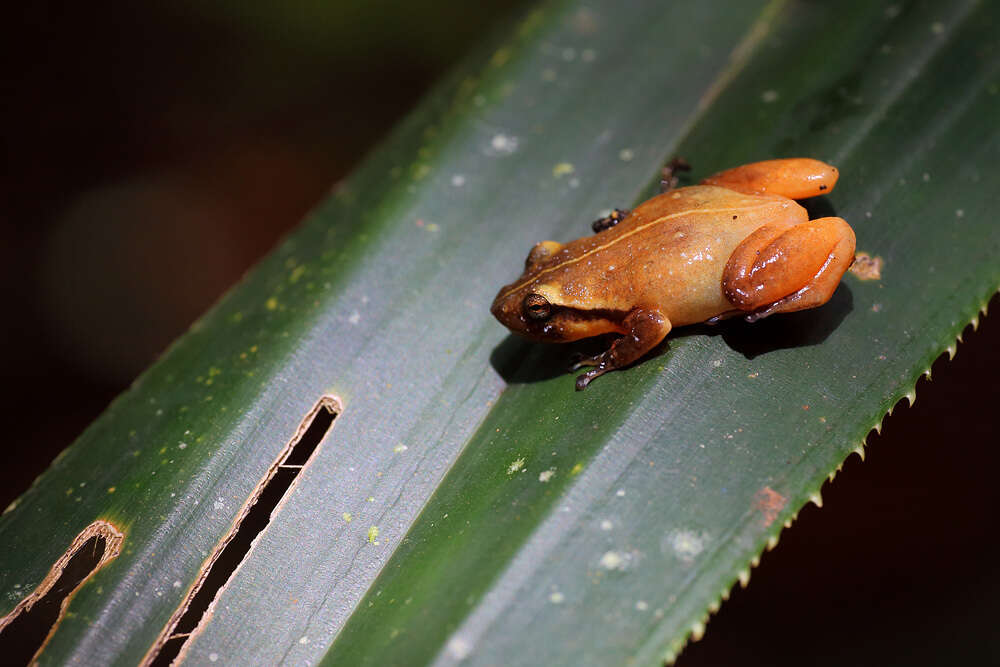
(609, 221)
(646, 327)
(784, 268)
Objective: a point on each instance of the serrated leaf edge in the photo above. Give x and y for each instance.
(699, 626)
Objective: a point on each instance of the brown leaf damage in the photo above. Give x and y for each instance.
(769, 503)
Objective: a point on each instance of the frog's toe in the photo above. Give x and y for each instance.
(712, 321)
(583, 380)
(669, 180)
(578, 361)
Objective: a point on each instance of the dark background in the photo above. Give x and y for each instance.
(154, 153)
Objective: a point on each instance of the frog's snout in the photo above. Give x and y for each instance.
(507, 311)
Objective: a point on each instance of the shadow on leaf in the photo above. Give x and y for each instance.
(786, 330)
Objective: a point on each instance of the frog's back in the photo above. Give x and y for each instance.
(671, 250)
(705, 206)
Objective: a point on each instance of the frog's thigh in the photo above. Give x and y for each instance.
(795, 178)
(792, 268)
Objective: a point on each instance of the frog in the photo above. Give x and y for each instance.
(737, 244)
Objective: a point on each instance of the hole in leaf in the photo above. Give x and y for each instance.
(26, 629)
(234, 547)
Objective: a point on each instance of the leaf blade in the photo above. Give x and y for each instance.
(394, 261)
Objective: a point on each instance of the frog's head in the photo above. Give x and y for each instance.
(536, 306)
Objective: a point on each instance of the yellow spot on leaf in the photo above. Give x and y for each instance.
(500, 57)
(562, 169)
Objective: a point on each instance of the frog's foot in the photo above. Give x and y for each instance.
(646, 328)
(669, 180)
(780, 269)
(609, 221)
(795, 178)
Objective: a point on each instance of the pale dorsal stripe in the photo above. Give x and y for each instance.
(638, 229)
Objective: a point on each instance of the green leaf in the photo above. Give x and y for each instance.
(496, 515)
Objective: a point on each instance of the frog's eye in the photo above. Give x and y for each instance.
(537, 307)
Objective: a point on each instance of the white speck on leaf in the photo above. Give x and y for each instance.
(458, 180)
(769, 96)
(354, 318)
(606, 525)
(613, 560)
(458, 648)
(626, 154)
(502, 144)
(516, 466)
(685, 544)
(546, 475)
(556, 597)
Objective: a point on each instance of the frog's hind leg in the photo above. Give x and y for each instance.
(645, 329)
(795, 178)
(781, 268)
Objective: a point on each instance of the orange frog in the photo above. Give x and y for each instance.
(737, 244)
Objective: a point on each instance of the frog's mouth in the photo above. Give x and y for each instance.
(576, 324)
(563, 324)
